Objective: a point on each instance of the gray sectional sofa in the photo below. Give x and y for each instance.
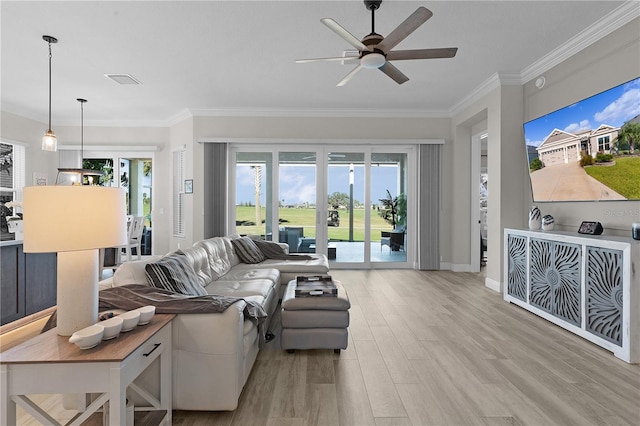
(213, 353)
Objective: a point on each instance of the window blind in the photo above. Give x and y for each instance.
(178, 193)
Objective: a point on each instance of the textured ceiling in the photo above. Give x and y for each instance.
(206, 56)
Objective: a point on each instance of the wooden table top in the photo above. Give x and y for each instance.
(48, 347)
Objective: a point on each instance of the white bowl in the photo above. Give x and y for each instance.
(88, 337)
(130, 320)
(146, 313)
(112, 327)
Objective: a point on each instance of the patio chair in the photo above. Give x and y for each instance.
(393, 239)
(291, 235)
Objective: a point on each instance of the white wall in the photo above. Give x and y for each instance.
(611, 61)
(182, 137)
(29, 132)
(501, 110)
(299, 128)
(605, 64)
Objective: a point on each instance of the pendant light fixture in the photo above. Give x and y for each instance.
(76, 176)
(49, 141)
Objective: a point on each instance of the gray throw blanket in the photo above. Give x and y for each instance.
(273, 250)
(134, 296)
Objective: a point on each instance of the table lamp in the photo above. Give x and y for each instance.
(74, 222)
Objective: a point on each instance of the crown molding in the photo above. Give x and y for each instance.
(108, 147)
(332, 141)
(179, 117)
(625, 13)
(478, 93)
(619, 17)
(113, 123)
(319, 113)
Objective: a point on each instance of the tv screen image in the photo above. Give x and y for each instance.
(588, 151)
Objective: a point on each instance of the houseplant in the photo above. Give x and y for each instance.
(394, 209)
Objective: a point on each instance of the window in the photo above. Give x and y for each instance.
(178, 193)
(12, 180)
(325, 199)
(604, 143)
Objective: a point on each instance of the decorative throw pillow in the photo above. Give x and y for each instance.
(174, 273)
(247, 250)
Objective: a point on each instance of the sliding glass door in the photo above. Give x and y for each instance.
(297, 193)
(388, 224)
(253, 194)
(348, 204)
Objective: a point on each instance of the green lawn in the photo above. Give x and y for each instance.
(307, 219)
(623, 177)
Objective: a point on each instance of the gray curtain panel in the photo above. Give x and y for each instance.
(429, 207)
(215, 189)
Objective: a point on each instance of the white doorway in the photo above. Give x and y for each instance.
(479, 200)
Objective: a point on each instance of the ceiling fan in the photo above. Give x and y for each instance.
(374, 51)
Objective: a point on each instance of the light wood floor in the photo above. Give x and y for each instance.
(436, 348)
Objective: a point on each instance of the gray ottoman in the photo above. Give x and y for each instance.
(314, 322)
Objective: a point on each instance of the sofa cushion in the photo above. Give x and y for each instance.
(263, 288)
(318, 264)
(199, 259)
(247, 250)
(174, 273)
(217, 251)
(248, 273)
(231, 252)
(133, 272)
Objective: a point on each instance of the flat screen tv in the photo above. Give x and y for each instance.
(587, 151)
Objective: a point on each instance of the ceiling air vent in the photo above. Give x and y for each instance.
(122, 78)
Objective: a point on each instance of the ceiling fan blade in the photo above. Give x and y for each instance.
(349, 76)
(402, 31)
(350, 38)
(399, 55)
(393, 72)
(337, 58)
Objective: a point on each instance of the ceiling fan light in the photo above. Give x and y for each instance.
(372, 60)
(49, 141)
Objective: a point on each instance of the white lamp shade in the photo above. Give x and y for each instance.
(72, 218)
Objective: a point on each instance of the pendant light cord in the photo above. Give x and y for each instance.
(49, 85)
(82, 102)
(82, 133)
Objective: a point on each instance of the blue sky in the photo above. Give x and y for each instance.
(298, 183)
(613, 107)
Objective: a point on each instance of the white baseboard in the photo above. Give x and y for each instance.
(456, 267)
(493, 285)
(461, 267)
(445, 266)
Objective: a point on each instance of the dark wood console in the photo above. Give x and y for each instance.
(27, 282)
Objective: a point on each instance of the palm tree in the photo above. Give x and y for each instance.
(257, 181)
(394, 209)
(629, 135)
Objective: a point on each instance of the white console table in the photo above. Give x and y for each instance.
(49, 364)
(589, 285)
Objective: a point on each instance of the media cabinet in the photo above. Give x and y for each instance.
(589, 285)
